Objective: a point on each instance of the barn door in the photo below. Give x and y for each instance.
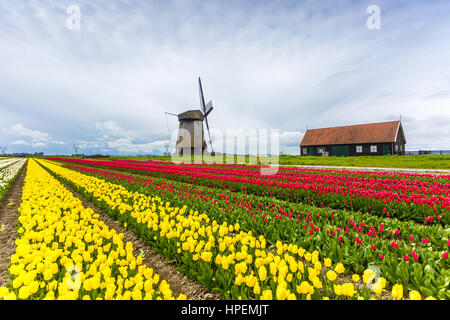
(340, 151)
(385, 149)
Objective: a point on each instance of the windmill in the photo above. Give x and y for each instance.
(3, 149)
(191, 138)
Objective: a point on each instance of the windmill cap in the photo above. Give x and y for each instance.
(191, 115)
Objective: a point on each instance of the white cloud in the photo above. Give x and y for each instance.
(21, 142)
(112, 138)
(32, 138)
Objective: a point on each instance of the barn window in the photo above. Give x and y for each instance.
(373, 148)
(396, 148)
(305, 151)
(321, 150)
(359, 149)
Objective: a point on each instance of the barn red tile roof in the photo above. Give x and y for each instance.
(361, 133)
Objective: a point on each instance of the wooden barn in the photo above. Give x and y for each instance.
(356, 140)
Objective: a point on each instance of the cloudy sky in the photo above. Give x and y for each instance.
(283, 65)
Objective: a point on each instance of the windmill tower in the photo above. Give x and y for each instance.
(191, 138)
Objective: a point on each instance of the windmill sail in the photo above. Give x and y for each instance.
(206, 109)
(202, 98)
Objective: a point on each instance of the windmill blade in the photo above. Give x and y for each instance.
(202, 98)
(172, 114)
(209, 134)
(209, 108)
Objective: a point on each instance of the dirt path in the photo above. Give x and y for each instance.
(8, 219)
(179, 282)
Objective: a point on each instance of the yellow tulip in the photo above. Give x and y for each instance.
(397, 291)
(266, 295)
(355, 278)
(415, 295)
(331, 275)
(339, 268)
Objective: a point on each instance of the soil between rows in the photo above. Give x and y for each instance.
(8, 218)
(179, 282)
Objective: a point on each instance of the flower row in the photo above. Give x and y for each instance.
(221, 255)
(9, 172)
(7, 162)
(418, 206)
(379, 174)
(340, 235)
(65, 252)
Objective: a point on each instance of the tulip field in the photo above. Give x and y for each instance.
(9, 168)
(299, 234)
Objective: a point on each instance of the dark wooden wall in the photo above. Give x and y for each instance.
(365, 149)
